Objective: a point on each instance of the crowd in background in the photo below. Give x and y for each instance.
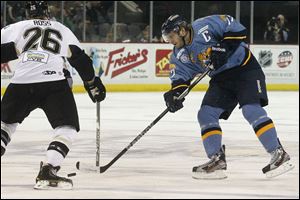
(133, 19)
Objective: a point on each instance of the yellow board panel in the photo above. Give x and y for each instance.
(165, 87)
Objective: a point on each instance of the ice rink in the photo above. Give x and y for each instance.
(159, 165)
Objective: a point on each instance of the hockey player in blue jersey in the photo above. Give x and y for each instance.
(219, 42)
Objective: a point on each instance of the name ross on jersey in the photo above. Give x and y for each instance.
(41, 23)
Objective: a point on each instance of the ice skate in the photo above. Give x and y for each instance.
(279, 164)
(48, 179)
(213, 169)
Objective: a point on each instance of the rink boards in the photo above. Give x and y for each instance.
(145, 67)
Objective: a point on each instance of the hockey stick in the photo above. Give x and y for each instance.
(98, 136)
(102, 169)
(87, 167)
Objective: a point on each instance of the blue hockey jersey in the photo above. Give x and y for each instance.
(207, 32)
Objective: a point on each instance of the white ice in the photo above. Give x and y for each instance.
(159, 165)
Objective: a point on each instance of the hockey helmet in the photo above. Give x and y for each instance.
(37, 8)
(172, 24)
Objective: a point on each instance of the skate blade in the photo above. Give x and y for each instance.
(285, 167)
(216, 175)
(47, 185)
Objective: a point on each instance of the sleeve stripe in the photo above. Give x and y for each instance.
(178, 86)
(235, 38)
(249, 56)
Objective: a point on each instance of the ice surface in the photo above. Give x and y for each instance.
(159, 165)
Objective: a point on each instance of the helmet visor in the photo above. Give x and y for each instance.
(168, 37)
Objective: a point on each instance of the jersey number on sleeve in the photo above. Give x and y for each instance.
(47, 42)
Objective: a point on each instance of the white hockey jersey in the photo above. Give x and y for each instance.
(42, 44)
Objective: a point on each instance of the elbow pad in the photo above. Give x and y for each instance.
(82, 63)
(8, 52)
(232, 40)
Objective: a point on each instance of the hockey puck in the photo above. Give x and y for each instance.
(78, 165)
(72, 174)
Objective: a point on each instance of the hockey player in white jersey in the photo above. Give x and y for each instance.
(43, 46)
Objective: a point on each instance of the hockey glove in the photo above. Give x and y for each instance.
(95, 89)
(219, 56)
(171, 100)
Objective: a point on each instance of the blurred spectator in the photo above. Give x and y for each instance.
(144, 36)
(75, 12)
(109, 36)
(2, 11)
(68, 19)
(158, 39)
(122, 33)
(134, 31)
(276, 30)
(54, 13)
(103, 30)
(15, 11)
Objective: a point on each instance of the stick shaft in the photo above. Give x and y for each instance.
(196, 81)
(98, 135)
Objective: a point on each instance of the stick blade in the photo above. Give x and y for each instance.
(87, 168)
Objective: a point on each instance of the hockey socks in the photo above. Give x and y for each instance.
(7, 131)
(262, 125)
(212, 139)
(56, 153)
(5, 139)
(211, 132)
(266, 133)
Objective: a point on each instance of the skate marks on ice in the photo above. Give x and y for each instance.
(160, 164)
(162, 170)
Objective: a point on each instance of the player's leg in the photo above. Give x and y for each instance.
(58, 149)
(217, 103)
(16, 105)
(7, 130)
(252, 97)
(61, 111)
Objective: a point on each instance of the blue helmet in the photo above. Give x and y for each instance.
(173, 23)
(37, 8)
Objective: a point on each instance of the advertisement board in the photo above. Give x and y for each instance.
(145, 66)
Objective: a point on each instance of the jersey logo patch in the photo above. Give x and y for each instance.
(48, 72)
(34, 56)
(184, 58)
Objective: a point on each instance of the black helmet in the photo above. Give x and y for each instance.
(173, 23)
(37, 8)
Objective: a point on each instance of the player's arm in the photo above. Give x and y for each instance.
(232, 33)
(181, 80)
(84, 66)
(8, 52)
(8, 47)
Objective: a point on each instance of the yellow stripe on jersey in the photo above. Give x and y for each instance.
(249, 55)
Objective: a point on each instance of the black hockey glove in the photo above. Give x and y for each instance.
(221, 52)
(171, 100)
(95, 89)
(219, 56)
